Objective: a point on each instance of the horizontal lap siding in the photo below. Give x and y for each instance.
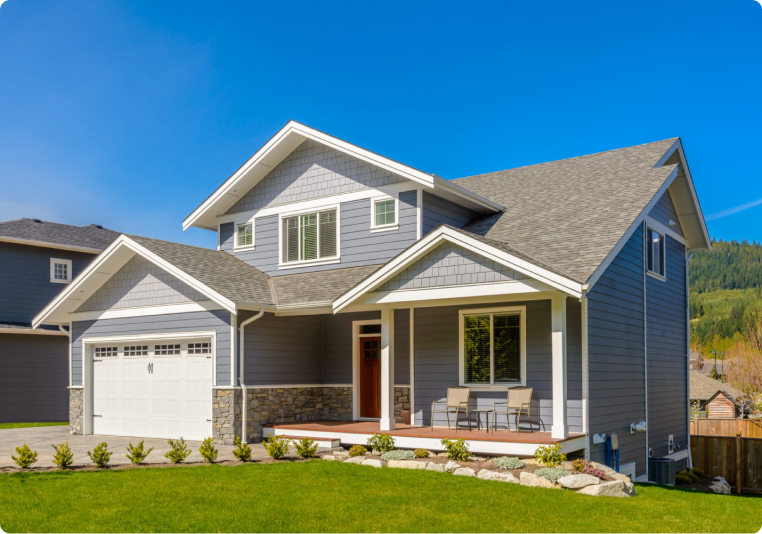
(217, 320)
(438, 211)
(615, 354)
(664, 211)
(667, 359)
(337, 345)
(35, 377)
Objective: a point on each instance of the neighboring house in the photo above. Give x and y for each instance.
(38, 259)
(696, 361)
(349, 286)
(717, 399)
(723, 367)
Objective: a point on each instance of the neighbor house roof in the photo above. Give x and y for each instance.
(703, 387)
(90, 238)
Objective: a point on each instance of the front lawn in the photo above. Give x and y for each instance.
(321, 496)
(3, 426)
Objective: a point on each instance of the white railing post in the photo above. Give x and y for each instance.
(387, 369)
(560, 428)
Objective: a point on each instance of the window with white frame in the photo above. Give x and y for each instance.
(136, 350)
(244, 235)
(166, 350)
(310, 237)
(106, 352)
(492, 344)
(199, 348)
(655, 252)
(384, 213)
(60, 271)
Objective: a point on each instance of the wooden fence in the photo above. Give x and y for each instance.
(726, 427)
(738, 460)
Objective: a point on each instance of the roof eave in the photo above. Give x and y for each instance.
(47, 244)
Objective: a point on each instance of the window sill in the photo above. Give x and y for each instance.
(297, 265)
(493, 387)
(247, 248)
(52, 281)
(377, 229)
(657, 276)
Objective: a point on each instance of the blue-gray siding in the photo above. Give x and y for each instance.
(437, 367)
(217, 320)
(25, 286)
(358, 245)
(616, 362)
(437, 210)
(664, 211)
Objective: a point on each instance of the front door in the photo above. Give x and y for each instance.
(370, 377)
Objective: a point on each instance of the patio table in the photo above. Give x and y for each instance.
(485, 411)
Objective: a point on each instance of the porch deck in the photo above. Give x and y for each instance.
(409, 436)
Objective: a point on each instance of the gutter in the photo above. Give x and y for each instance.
(688, 352)
(241, 359)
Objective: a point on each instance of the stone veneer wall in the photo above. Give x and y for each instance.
(226, 415)
(401, 402)
(76, 410)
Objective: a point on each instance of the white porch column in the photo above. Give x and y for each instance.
(387, 369)
(560, 428)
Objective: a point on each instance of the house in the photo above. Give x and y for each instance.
(723, 367)
(348, 287)
(717, 399)
(696, 361)
(38, 259)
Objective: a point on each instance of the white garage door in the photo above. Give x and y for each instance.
(159, 389)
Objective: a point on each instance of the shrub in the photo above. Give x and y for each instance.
(26, 456)
(100, 455)
(456, 450)
(64, 457)
(207, 450)
(306, 447)
(357, 450)
(137, 454)
(422, 453)
(398, 455)
(381, 443)
(682, 479)
(590, 470)
(689, 476)
(579, 464)
(698, 472)
(507, 463)
(242, 451)
(179, 451)
(550, 455)
(277, 446)
(551, 473)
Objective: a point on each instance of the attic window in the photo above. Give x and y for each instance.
(244, 235)
(656, 257)
(60, 271)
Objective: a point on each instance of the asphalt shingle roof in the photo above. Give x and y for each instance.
(703, 387)
(570, 213)
(320, 286)
(90, 236)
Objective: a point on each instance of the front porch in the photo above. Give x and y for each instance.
(498, 443)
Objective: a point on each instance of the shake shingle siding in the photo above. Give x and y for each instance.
(616, 354)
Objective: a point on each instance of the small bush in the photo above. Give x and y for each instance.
(550, 455)
(422, 453)
(277, 446)
(242, 451)
(506, 463)
(551, 473)
(136, 455)
(689, 476)
(682, 479)
(590, 470)
(456, 450)
(306, 447)
(64, 457)
(179, 451)
(398, 455)
(26, 456)
(698, 472)
(100, 455)
(579, 464)
(207, 450)
(381, 443)
(357, 450)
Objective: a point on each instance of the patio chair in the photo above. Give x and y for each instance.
(457, 403)
(519, 402)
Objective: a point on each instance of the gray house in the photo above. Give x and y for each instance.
(349, 291)
(37, 260)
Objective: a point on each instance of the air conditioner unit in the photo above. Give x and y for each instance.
(661, 471)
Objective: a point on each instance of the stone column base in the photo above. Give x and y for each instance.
(76, 410)
(226, 415)
(401, 402)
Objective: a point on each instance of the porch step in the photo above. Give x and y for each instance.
(323, 442)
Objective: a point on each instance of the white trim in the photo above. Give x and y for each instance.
(150, 337)
(233, 350)
(243, 248)
(45, 244)
(384, 227)
(61, 261)
(30, 331)
(419, 214)
(559, 366)
(411, 336)
(387, 369)
(679, 455)
(146, 311)
(649, 247)
(522, 312)
(356, 363)
(287, 386)
(665, 230)
(657, 276)
(318, 261)
(585, 378)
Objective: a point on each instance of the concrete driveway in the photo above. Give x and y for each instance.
(39, 439)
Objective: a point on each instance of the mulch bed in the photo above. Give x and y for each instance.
(701, 485)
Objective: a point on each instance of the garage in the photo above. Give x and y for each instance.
(158, 388)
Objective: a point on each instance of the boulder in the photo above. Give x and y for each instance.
(615, 488)
(486, 474)
(530, 479)
(406, 464)
(372, 462)
(341, 454)
(464, 472)
(578, 481)
(433, 466)
(355, 460)
(329, 457)
(451, 466)
(720, 485)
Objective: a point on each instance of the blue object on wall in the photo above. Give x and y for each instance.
(612, 456)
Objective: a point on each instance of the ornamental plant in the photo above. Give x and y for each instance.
(579, 464)
(550, 455)
(456, 450)
(179, 451)
(277, 446)
(551, 473)
(242, 450)
(26, 456)
(398, 455)
(306, 447)
(422, 453)
(590, 470)
(64, 456)
(381, 443)
(207, 450)
(100, 455)
(506, 463)
(357, 450)
(136, 455)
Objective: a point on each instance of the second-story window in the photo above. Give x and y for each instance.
(385, 213)
(244, 235)
(310, 237)
(60, 271)
(656, 256)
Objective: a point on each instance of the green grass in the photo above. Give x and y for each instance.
(3, 426)
(322, 496)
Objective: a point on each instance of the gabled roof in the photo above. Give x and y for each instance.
(703, 387)
(91, 238)
(318, 288)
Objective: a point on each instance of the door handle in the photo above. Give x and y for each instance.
(150, 368)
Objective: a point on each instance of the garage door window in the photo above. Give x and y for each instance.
(199, 348)
(136, 350)
(106, 352)
(166, 350)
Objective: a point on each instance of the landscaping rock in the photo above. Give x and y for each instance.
(442, 455)
(578, 481)
(530, 479)
(464, 472)
(720, 486)
(616, 476)
(329, 457)
(616, 488)
(451, 466)
(486, 474)
(406, 464)
(433, 466)
(355, 460)
(373, 462)
(341, 454)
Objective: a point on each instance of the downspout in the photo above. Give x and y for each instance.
(688, 352)
(645, 335)
(241, 360)
(585, 373)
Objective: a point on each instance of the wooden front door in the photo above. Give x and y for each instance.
(370, 377)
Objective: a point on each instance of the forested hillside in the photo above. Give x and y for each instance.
(730, 265)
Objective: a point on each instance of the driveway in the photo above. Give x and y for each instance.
(39, 439)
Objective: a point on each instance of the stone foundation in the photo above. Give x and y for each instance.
(401, 401)
(226, 415)
(76, 410)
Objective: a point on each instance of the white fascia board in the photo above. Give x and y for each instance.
(145, 311)
(30, 331)
(445, 234)
(692, 188)
(45, 244)
(294, 132)
(664, 229)
(465, 197)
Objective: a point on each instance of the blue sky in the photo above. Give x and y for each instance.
(128, 114)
